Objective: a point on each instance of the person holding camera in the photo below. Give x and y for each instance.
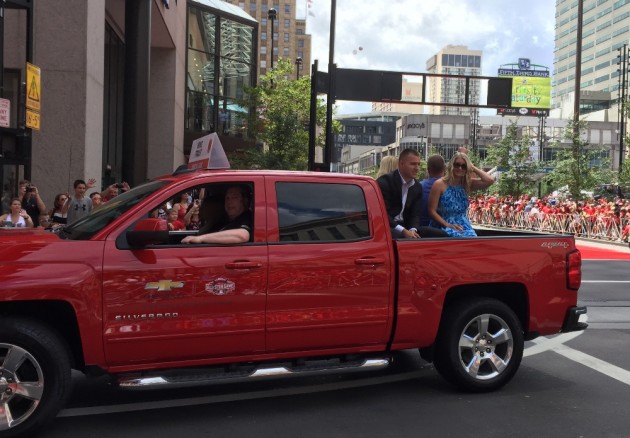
(31, 201)
(192, 218)
(112, 191)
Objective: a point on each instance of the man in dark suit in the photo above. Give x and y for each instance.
(402, 195)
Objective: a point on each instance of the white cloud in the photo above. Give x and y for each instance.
(400, 35)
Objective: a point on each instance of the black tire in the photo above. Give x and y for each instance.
(35, 376)
(479, 346)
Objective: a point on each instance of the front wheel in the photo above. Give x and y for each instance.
(480, 345)
(34, 376)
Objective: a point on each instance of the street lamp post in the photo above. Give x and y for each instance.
(298, 66)
(623, 62)
(272, 14)
(330, 98)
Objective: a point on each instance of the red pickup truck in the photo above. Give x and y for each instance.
(320, 286)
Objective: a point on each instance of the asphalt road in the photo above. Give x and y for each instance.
(570, 385)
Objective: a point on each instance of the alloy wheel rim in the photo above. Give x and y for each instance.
(21, 385)
(485, 347)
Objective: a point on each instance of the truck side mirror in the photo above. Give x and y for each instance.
(149, 231)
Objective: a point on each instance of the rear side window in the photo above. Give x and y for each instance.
(312, 212)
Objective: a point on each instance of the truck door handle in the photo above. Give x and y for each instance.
(243, 265)
(369, 262)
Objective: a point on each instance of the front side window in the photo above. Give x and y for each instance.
(202, 210)
(314, 212)
(99, 218)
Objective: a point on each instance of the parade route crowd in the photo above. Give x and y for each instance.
(604, 219)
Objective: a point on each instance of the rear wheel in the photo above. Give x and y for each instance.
(34, 376)
(480, 345)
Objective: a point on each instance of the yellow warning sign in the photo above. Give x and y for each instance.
(32, 119)
(33, 87)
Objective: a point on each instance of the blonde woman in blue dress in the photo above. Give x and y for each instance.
(448, 199)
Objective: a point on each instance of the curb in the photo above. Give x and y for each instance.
(582, 239)
(604, 242)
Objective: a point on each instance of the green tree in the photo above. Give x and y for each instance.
(512, 156)
(280, 120)
(624, 175)
(580, 168)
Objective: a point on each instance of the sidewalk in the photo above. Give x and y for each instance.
(618, 246)
(599, 243)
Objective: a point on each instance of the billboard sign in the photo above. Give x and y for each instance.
(531, 88)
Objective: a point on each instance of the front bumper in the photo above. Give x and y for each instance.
(571, 321)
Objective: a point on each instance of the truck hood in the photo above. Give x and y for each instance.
(23, 235)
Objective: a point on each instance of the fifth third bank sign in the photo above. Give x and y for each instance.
(531, 88)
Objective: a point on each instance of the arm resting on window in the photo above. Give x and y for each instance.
(226, 237)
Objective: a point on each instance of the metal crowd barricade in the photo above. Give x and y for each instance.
(603, 227)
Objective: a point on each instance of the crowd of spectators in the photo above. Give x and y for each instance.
(27, 209)
(607, 219)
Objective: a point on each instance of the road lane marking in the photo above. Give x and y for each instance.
(556, 344)
(546, 344)
(605, 281)
(593, 363)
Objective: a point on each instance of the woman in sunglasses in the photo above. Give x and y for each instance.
(448, 200)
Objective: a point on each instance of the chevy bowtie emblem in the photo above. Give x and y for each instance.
(164, 285)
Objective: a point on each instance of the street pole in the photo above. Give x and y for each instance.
(623, 74)
(312, 125)
(272, 14)
(331, 87)
(541, 141)
(578, 78)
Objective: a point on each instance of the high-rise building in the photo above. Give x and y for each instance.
(453, 60)
(605, 29)
(288, 39)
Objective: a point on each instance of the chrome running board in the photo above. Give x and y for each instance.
(241, 372)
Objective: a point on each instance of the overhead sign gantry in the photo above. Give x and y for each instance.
(387, 86)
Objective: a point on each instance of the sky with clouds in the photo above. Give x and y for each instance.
(400, 35)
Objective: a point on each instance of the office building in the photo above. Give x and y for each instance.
(442, 134)
(288, 39)
(125, 87)
(375, 129)
(605, 29)
(453, 60)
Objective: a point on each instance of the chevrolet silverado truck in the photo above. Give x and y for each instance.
(320, 287)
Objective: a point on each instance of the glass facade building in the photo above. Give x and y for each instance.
(605, 29)
(221, 53)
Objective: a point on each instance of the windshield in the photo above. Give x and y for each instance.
(86, 227)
